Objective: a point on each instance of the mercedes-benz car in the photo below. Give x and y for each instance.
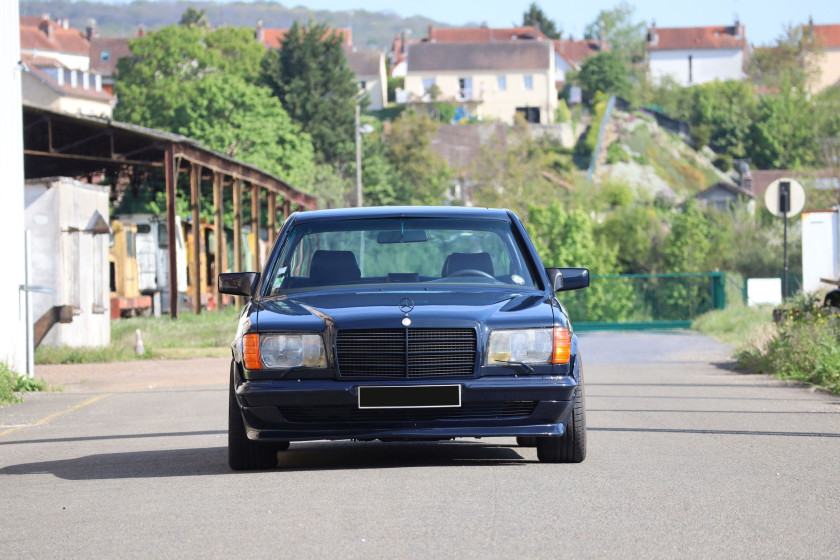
(394, 324)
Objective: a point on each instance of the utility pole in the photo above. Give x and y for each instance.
(358, 157)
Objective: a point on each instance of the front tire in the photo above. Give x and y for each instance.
(571, 446)
(244, 454)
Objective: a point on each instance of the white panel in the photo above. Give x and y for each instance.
(820, 249)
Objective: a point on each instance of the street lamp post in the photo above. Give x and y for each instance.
(359, 131)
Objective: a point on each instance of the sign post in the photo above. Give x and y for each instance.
(784, 197)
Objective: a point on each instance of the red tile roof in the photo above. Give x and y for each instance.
(713, 37)
(575, 52)
(828, 35)
(272, 38)
(35, 34)
(116, 47)
(482, 34)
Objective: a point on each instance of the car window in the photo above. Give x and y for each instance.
(393, 250)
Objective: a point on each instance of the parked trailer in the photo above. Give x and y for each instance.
(126, 299)
(820, 249)
(153, 258)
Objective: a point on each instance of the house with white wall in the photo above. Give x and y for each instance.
(493, 80)
(68, 224)
(369, 68)
(696, 55)
(828, 39)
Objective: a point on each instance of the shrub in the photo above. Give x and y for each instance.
(617, 153)
(13, 384)
(723, 162)
(701, 135)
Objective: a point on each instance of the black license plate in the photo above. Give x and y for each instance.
(415, 396)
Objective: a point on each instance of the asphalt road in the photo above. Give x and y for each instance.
(686, 459)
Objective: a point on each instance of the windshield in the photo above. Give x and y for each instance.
(393, 251)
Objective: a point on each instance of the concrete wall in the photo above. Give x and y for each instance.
(829, 63)
(73, 263)
(707, 65)
(36, 92)
(12, 325)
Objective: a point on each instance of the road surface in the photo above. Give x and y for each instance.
(686, 459)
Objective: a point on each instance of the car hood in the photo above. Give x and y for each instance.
(345, 309)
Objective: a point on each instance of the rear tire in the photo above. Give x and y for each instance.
(571, 446)
(244, 454)
(526, 441)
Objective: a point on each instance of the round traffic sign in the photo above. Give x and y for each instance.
(796, 197)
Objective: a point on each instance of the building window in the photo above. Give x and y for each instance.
(362, 85)
(105, 56)
(502, 83)
(427, 84)
(690, 69)
(465, 88)
(529, 82)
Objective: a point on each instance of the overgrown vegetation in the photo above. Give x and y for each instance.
(804, 347)
(207, 334)
(13, 385)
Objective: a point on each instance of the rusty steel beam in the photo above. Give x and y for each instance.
(255, 224)
(195, 205)
(237, 225)
(171, 180)
(56, 155)
(271, 225)
(220, 236)
(246, 173)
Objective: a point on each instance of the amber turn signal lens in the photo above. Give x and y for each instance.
(251, 351)
(562, 346)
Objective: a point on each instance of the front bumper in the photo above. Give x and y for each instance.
(492, 406)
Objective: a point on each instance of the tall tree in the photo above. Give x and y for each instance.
(422, 174)
(624, 37)
(535, 16)
(310, 76)
(194, 18)
(604, 72)
(794, 59)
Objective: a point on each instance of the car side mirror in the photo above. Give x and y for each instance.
(239, 283)
(565, 279)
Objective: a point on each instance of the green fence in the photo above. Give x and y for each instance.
(645, 301)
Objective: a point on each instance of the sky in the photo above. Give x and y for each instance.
(764, 19)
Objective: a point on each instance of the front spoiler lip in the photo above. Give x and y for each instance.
(425, 433)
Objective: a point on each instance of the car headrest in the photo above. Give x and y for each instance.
(465, 261)
(334, 267)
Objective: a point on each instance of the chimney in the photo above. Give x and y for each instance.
(259, 33)
(90, 30)
(652, 37)
(46, 26)
(141, 31)
(429, 36)
(737, 28)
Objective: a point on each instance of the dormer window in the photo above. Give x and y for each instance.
(105, 56)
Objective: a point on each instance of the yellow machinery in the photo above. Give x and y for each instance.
(126, 300)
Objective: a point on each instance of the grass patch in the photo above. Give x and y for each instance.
(735, 325)
(804, 347)
(190, 336)
(682, 175)
(13, 385)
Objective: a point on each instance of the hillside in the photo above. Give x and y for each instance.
(370, 29)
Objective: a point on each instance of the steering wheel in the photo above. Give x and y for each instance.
(470, 272)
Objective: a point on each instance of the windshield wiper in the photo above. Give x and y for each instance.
(528, 369)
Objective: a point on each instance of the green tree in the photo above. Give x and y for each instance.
(625, 37)
(194, 18)
(422, 175)
(226, 113)
(728, 110)
(310, 76)
(687, 249)
(784, 133)
(604, 72)
(535, 16)
(566, 238)
(794, 60)
(163, 65)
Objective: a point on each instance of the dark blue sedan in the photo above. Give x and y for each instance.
(404, 324)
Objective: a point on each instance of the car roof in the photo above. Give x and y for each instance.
(402, 212)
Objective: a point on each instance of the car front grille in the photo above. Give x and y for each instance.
(350, 414)
(406, 353)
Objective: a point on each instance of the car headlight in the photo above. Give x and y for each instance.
(528, 346)
(279, 351)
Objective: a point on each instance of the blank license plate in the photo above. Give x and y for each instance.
(415, 396)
